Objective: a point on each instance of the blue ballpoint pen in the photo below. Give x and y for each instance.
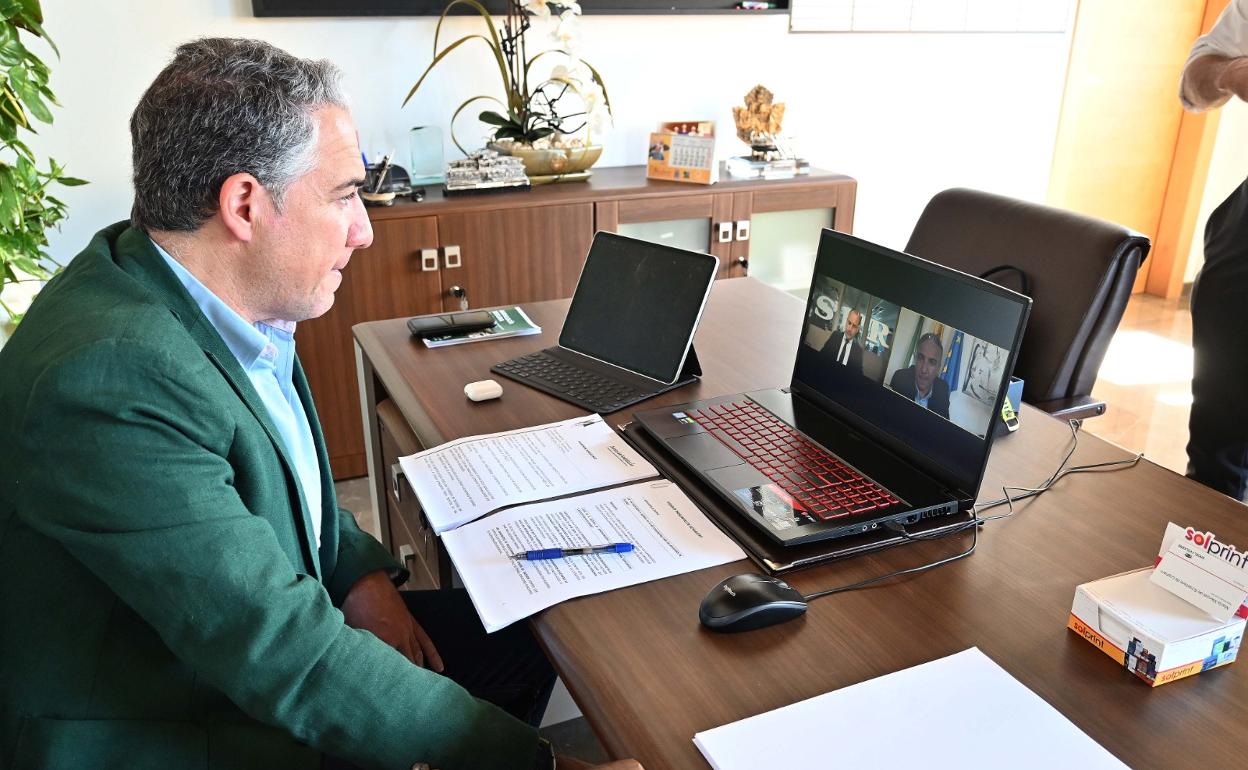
(559, 553)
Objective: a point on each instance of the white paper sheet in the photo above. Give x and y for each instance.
(670, 534)
(465, 479)
(956, 712)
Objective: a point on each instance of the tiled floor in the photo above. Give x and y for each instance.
(1146, 380)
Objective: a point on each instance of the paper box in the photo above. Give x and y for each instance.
(1155, 634)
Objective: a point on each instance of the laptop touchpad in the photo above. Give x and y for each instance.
(703, 451)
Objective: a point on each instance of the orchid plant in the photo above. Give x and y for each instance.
(570, 99)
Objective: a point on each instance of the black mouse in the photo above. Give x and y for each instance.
(749, 601)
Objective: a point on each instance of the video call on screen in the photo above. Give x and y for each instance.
(923, 360)
(913, 350)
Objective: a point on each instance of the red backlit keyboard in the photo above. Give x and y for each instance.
(816, 479)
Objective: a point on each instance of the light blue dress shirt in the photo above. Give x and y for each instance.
(266, 351)
(922, 400)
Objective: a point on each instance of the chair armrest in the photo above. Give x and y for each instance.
(1077, 408)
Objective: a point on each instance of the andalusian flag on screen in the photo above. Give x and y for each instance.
(953, 362)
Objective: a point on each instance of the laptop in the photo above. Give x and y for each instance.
(628, 334)
(890, 412)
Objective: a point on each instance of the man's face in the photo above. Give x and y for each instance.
(926, 365)
(299, 252)
(851, 324)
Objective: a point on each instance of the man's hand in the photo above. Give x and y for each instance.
(373, 604)
(1210, 81)
(1234, 78)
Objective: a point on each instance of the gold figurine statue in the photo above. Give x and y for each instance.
(758, 122)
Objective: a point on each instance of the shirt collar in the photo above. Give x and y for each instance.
(248, 342)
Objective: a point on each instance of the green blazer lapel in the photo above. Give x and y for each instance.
(142, 260)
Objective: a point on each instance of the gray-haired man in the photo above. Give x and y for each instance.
(178, 586)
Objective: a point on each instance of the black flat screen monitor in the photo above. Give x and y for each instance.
(637, 305)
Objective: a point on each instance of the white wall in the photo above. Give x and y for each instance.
(906, 114)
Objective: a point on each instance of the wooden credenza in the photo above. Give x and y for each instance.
(514, 248)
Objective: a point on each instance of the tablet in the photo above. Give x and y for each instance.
(637, 305)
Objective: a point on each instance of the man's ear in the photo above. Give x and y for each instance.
(240, 200)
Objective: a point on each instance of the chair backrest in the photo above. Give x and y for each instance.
(1079, 273)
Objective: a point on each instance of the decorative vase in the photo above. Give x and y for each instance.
(553, 164)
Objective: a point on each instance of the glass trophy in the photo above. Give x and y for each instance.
(427, 166)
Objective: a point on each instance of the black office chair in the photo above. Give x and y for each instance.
(1078, 271)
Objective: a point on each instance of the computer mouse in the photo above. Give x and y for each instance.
(749, 601)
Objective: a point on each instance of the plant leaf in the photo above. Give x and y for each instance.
(461, 109)
(442, 56)
(606, 99)
(10, 205)
(70, 181)
(13, 108)
(34, 103)
(494, 41)
(509, 132)
(494, 119)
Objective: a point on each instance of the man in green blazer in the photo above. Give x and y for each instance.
(178, 587)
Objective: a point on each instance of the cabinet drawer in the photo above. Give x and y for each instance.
(410, 550)
(429, 564)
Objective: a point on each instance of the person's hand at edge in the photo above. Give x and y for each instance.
(373, 604)
(1234, 78)
(1210, 81)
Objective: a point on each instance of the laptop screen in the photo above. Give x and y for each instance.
(915, 354)
(637, 305)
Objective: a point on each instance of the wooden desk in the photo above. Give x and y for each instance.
(647, 676)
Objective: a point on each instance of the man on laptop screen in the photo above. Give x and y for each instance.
(919, 383)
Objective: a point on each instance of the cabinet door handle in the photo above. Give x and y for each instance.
(725, 232)
(743, 229)
(462, 295)
(406, 555)
(744, 262)
(396, 481)
(451, 257)
(429, 260)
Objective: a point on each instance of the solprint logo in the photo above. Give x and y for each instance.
(1214, 547)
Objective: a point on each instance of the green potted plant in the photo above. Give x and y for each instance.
(27, 208)
(540, 116)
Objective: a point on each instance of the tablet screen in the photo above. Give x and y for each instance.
(637, 305)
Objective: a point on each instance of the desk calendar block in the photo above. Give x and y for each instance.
(683, 157)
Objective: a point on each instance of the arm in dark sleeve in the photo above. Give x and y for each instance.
(128, 471)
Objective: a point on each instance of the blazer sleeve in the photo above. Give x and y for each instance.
(358, 554)
(162, 524)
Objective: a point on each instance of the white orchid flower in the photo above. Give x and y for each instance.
(599, 121)
(568, 31)
(539, 8)
(572, 8)
(592, 96)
